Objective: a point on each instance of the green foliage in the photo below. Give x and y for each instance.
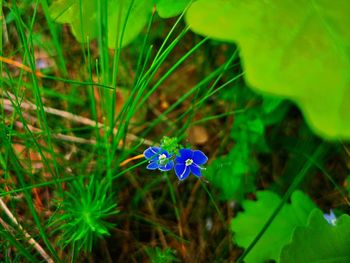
(170, 144)
(294, 49)
(319, 241)
(233, 174)
(158, 255)
(84, 19)
(250, 130)
(249, 223)
(85, 210)
(170, 8)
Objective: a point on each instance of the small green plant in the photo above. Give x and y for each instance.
(85, 209)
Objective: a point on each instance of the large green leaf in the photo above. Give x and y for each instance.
(298, 49)
(83, 19)
(249, 223)
(170, 8)
(319, 241)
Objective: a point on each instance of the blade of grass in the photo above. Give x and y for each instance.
(21, 249)
(19, 171)
(54, 35)
(135, 104)
(37, 93)
(177, 211)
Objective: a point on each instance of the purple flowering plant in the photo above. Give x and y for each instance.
(168, 156)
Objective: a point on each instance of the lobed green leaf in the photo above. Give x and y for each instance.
(295, 49)
(249, 223)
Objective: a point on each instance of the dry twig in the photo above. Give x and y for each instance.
(26, 105)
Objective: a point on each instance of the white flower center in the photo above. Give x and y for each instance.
(188, 162)
(162, 158)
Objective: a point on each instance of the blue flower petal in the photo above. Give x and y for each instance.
(199, 157)
(179, 169)
(331, 218)
(167, 167)
(152, 166)
(184, 155)
(196, 170)
(150, 152)
(182, 171)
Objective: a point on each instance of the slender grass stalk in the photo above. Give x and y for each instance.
(30, 57)
(329, 177)
(172, 30)
(1, 52)
(21, 249)
(77, 82)
(141, 65)
(212, 199)
(54, 35)
(91, 92)
(141, 86)
(29, 132)
(163, 228)
(173, 199)
(20, 176)
(161, 117)
(116, 59)
(44, 184)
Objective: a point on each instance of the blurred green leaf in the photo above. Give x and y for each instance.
(319, 241)
(249, 223)
(295, 49)
(85, 26)
(170, 8)
(233, 174)
(250, 129)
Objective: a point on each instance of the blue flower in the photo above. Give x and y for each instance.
(158, 159)
(331, 218)
(189, 161)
